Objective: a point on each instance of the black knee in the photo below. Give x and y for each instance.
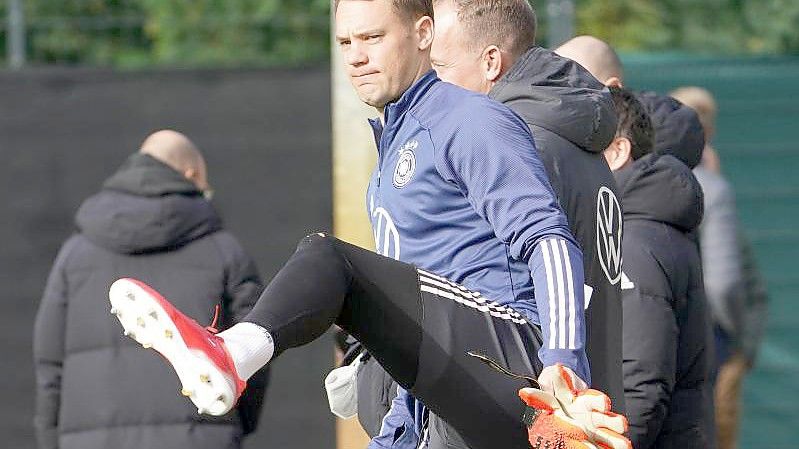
(317, 239)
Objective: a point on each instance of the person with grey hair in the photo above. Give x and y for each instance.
(733, 282)
(150, 220)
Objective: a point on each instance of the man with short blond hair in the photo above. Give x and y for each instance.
(511, 25)
(414, 9)
(488, 46)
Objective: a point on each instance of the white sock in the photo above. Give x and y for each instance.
(251, 347)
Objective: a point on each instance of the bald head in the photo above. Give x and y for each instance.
(177, 151)
(596, 56)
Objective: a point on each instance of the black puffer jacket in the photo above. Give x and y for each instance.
(573, 120)
(667, 351)
(98, 389)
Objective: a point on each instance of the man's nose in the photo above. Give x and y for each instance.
(357, 55)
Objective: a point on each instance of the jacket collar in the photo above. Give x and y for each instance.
(394, 110)
(144, 175)
(412, 96)
(520, 67)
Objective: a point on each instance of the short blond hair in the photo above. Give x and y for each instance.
(508, 24)
(412, 9)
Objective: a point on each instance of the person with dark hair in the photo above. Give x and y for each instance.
(667, 349)
(460, 193)
(150, 220)
(634, 132)
(488, 46)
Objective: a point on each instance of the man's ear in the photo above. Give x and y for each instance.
(425, 31)
(491, 62)
(619, 153)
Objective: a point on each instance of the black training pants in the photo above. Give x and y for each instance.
(417, 325)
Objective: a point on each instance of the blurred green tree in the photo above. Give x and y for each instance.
(775, 25)
(214, 32)
(134, 33)
(96, 32)
(708, 26)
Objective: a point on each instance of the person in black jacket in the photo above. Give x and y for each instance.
(150, 221)
(678, 131)
(666, 329)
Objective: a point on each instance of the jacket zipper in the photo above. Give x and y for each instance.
(381, 144)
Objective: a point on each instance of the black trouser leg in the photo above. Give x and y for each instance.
(327, 281)
(418, 326)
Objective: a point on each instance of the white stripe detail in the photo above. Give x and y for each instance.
(551, 292)
(479, 301)
(570, 282)
(446, 284)
(432, 275)
(492, 309)
(383, 421)
(561, 314)
(466, 294)
(587, 292)
(378, 230)
(447, 281)
(454, 288)
(626, 283)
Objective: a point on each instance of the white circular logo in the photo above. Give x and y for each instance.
(406, 165)
(608, 234)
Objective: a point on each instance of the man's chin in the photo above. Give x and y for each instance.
(371, 100)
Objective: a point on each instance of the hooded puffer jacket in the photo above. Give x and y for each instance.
(667, 340)
(678, 131)
(98, 389)
(573, 120)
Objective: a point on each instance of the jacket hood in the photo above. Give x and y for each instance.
(661, 188)
(559, 95)
(678, 131)
(146, 206)
(144, 175)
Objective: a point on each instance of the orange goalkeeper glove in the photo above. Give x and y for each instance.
(586, 423)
